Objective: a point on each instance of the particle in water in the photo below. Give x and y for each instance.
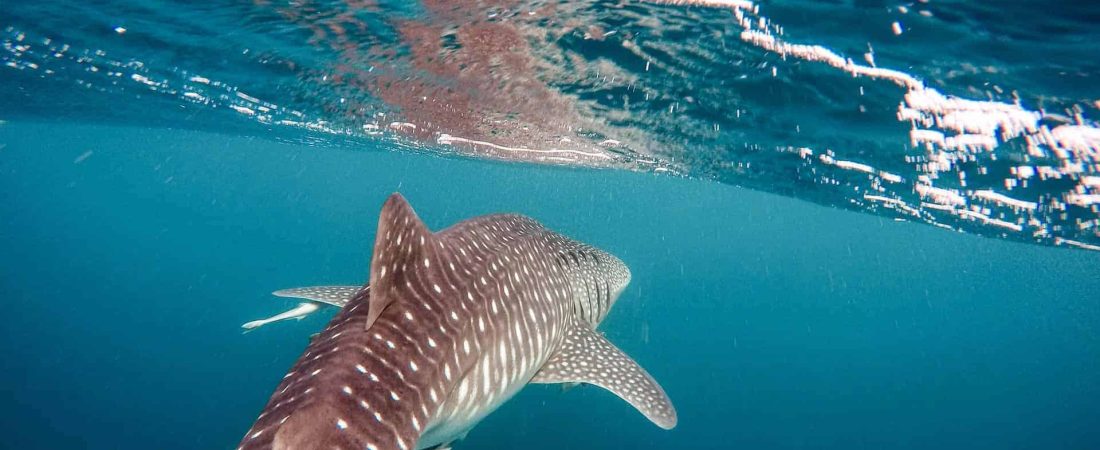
(82, 157)
(120, 30)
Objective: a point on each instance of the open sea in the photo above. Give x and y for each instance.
(852, 224)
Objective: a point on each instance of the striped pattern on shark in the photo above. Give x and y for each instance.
(452, 325)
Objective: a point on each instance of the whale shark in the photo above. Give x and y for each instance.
(450, 325)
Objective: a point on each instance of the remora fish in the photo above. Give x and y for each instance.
(450, 326)
(315, 296)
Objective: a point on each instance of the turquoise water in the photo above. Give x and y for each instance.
(957, 114)
(851, 224)
(132, 256)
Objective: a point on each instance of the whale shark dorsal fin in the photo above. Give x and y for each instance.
(337, 296)
(587, 357)
(402, 243)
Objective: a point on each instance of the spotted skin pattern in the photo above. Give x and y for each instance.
(332, 295)
(453, 324)
(587, 357)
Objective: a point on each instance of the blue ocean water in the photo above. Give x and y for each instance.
(957, 114)
(131, 256)
(851, 224)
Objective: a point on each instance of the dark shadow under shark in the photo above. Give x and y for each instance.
(450, 326)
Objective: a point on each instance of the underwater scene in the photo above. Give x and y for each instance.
(396, 225)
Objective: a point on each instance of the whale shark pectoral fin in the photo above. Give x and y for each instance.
(337, 296)
(587, 357)
(450, 445)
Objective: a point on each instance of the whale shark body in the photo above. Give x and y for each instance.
(450, 326)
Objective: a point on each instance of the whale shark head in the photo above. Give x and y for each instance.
(450, 326)
(597, 279)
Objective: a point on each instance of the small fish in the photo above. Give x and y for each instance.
(450, 326)
(317, 296)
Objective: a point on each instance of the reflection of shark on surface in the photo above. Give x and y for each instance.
(317, 297)
(450, 326)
